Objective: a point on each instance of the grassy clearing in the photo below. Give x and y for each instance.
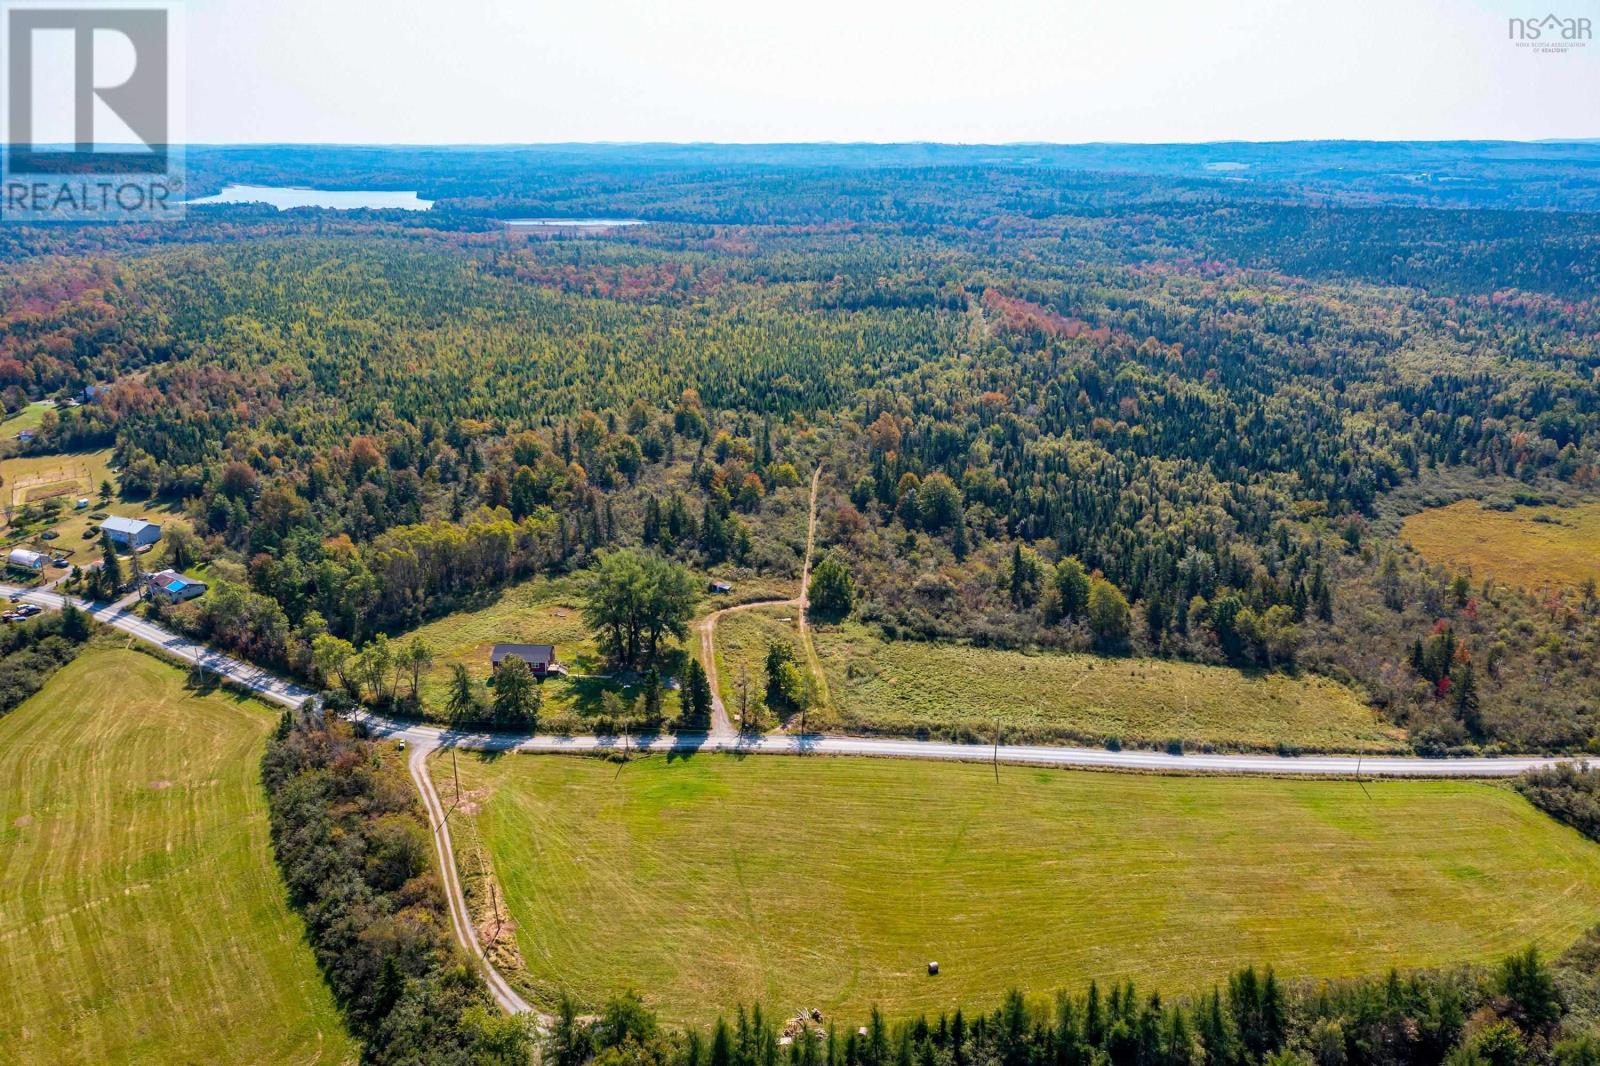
(707, 881)
(84, 469)
(741, 645)
(1528, 546)
(28, 418)
(947, 690)
(141, 916)
(538, 611)
(33, 483)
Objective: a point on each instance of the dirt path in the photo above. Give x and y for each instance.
(721, 725)
(460, 915)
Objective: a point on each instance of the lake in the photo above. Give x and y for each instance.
(337, 199)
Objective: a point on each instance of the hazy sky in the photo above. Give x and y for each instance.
(881, 70)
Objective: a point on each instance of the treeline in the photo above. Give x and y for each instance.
(32, 650)
(1522, 1011)
(1568, 792)
(354, 850)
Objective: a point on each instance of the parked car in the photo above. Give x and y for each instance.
(28, 610)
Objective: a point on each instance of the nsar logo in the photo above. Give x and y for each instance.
(1552, 33)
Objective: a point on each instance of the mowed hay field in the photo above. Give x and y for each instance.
(141, 916)
(707, 881)
(910, 687)
(1530, 546)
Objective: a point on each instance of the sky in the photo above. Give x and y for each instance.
(516, 71)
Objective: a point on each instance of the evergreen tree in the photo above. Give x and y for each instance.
(697, 693)
(652, 694)
(462, 704)
(516, 696)
(111, 572)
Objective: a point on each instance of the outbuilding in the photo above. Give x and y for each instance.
(24, 559)
(130, 533)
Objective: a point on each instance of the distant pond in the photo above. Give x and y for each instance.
(337, 199)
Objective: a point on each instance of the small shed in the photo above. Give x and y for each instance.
(721, 586)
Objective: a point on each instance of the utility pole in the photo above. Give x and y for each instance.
(997, 751)
(624, 761)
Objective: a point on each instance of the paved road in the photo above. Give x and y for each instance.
(288, 693)
(1011, 754)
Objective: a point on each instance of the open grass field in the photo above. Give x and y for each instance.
(947, 690)
(141, 916)
(1529, 546)
(707, 881)
(27, 418)
(27, 476)
(32, 481)
(742, 640)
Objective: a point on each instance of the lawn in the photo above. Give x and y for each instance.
(545, 610)
(910, 687)
(141, 916)
(1529, 546)
(537, 611)
(707, 881)
(28, 417)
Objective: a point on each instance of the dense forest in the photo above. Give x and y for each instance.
(1058, 406)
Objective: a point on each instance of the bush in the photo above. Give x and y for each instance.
(1567, 792)
(30, 652)
(353, 846)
